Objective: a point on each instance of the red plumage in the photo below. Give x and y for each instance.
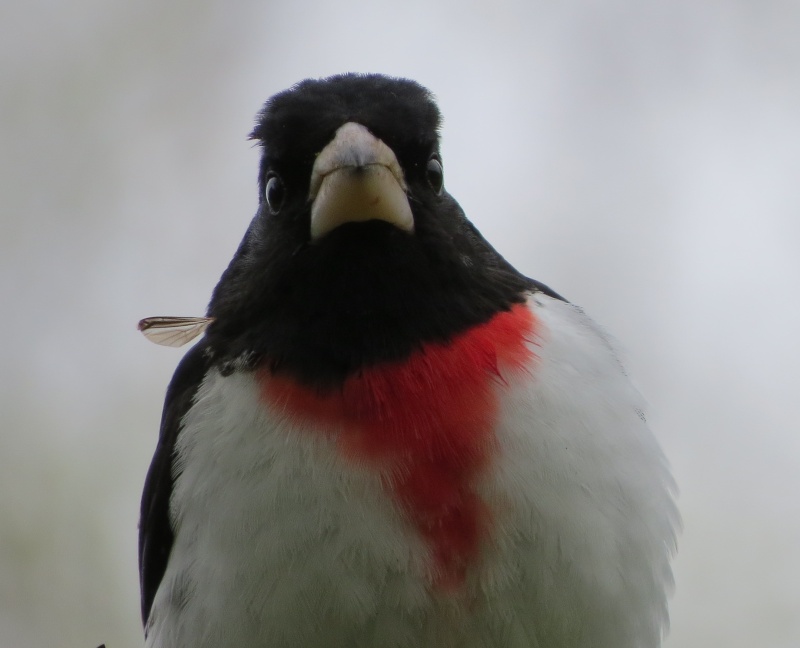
(426, 423)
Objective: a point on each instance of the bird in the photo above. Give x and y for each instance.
(387, 436)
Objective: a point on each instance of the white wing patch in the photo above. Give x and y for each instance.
(173, 331)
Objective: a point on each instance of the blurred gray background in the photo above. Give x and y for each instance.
(642, 158)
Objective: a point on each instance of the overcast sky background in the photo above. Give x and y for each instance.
(642, 158)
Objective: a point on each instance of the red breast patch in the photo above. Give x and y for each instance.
(426, 422)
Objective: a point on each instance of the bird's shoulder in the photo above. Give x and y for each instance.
(569, 334)
(155, 529)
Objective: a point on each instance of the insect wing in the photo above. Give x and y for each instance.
(173, 331)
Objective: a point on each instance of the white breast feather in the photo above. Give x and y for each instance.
(282, 542)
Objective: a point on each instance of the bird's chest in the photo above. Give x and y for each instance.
(425, 428)
(357, 507)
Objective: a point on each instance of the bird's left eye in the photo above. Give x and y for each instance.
(435, 174)
(274, 194)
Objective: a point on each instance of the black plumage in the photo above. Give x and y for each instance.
(367, 292)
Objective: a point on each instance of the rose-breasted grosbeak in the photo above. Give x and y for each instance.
(389, 437)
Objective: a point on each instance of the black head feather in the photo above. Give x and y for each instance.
(295, 125)
(366, 292)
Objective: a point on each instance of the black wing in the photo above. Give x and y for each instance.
(155, 528)
(538, 286)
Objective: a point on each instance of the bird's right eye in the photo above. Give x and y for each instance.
(274, 193)
(435, 174)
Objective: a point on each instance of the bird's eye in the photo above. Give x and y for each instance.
(274, 193)
(435, 174)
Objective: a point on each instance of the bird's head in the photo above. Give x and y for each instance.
(357, 254)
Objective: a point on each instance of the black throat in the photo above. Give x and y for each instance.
(367, 293)
(364, 293)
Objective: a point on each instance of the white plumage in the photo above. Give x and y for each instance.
(308, 550)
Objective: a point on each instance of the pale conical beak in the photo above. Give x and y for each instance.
(357, 178)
